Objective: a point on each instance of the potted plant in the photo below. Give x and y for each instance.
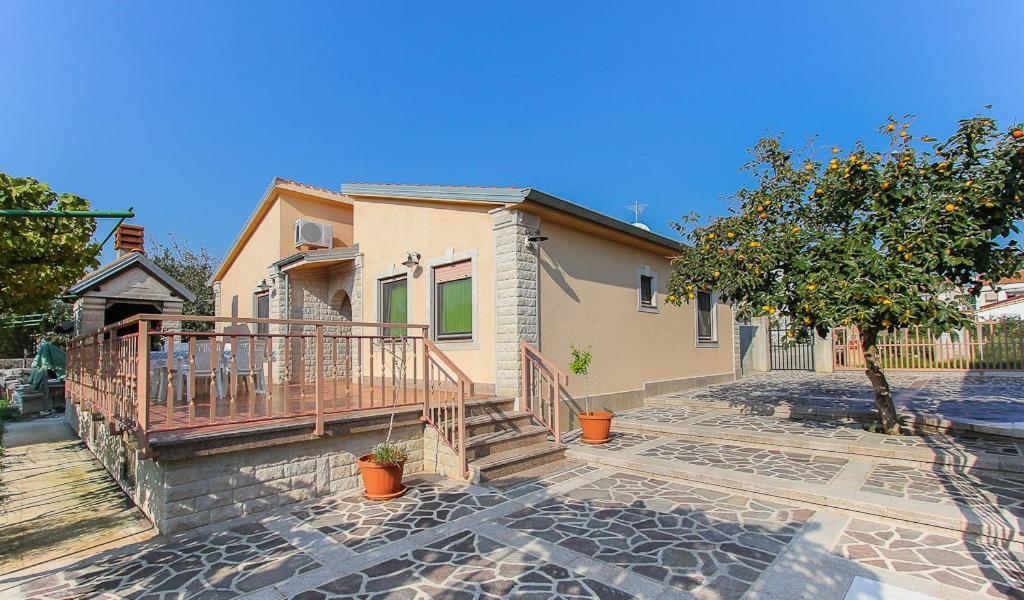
(382, 471)
(383, 468)
(596, 426)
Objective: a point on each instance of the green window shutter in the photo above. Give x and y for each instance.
(456, 308)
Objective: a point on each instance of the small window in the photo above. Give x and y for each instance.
(453, 297)
(647, 290)
(261, 309)
(706, 318)
(394, 304)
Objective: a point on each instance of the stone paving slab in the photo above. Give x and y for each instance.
(838, 436)
(586, 532)
(992, 570)
(756, 471)
(969, 402)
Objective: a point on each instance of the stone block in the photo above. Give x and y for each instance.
(226, 512)
(184, 523)
(179, 508)
(214, 500)
(187, 490)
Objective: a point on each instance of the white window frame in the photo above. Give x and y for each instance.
(647, 271)
(713, 342)
(450, 257)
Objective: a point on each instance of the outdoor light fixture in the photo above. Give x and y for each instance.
(411, 259)
(536, 237)
(263, 287)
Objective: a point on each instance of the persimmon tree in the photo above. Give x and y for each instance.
(40, 257)
(875, 239)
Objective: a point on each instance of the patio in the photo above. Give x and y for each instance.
(579, 532)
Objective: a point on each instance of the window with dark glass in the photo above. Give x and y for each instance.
(705, 318)
(453, 296)
(647, 290)
(263, 311)
(394, 304)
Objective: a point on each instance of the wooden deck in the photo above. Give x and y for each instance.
(249, 408)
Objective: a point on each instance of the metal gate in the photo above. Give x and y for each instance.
(790, 355)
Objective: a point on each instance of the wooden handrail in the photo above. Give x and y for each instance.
(240, 320)
(545, 361)
(552, 418)
(456, 371)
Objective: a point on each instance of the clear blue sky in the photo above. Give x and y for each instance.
(188, 110)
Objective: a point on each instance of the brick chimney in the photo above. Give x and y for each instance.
(129, 238)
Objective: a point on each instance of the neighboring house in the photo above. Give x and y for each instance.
(1008, 308)
(1004, 289)
(484, 267)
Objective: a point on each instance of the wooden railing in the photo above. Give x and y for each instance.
(543, 387)
(993, 345)
(146, 380)
(448, 388)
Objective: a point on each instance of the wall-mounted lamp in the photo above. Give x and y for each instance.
(411, 259)
(534, 239)
(262, 287)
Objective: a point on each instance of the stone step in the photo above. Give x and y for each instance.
(494, 406)
(487, 444)
(516, 460)
(835, 437)
(989, 507)
(508, 421)
(548, 473)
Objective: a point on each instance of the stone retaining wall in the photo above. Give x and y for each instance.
(178, 495)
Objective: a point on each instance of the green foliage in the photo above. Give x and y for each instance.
(17, 341)
(40, 257)
(193, 269)
(867, 238)
(389, 453)
(580, 360)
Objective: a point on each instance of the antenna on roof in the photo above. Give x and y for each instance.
(638, 208)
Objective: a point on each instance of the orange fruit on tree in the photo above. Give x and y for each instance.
(950, 207)
(1017, 134)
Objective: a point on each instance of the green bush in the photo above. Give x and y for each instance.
(387, 453)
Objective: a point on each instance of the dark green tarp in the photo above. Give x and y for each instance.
(50, 358)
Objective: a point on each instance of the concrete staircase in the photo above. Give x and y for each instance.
(501, 441)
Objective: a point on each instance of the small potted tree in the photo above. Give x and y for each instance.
(383, 468)
(596, 426)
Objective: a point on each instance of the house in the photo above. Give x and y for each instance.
(484, 267)
(999, 300)
(1007, 308)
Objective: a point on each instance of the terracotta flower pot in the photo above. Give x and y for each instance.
(596, 427)
(383, 482)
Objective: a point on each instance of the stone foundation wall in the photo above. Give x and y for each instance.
(438, 458)
(178, 495)
(209, 489)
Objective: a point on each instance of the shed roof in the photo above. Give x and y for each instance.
(124, 263)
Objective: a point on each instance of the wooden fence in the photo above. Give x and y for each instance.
(992, 345)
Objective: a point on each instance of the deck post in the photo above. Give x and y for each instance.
(319, 380)
(462, 427)
(142, 387)
(426, 379)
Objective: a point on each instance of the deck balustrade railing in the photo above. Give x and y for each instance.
(985, 345)
(146, 378)
(544, 386)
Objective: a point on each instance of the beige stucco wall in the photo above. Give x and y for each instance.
(273, 239)
(250, 266)
(386, 229)
(588, 296)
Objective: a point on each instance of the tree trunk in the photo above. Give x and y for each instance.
(883, 394)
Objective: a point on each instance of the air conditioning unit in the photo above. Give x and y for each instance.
(313, 233)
